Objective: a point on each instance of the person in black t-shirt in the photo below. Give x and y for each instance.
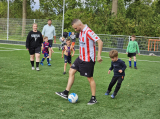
(119, 67)
(33, 44)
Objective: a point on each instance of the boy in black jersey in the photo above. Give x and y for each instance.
(119, 67)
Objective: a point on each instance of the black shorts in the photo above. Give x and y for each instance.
(34, 50)
(85, 68)
(131, 54)
(50, 42)
(67, 59)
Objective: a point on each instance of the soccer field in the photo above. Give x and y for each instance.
(27, 94)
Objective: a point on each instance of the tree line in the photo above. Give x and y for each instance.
(119, 17)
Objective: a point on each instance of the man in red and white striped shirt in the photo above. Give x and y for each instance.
(86, 60)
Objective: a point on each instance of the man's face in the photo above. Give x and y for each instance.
(49, 22)
(77, 27)
(34, 27)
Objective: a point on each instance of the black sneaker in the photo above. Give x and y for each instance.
(62, 95)
(92, 101)
(135, 67)
(64, 72)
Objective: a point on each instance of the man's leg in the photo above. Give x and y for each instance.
(50, 53)
(64, 94)
(92, 85)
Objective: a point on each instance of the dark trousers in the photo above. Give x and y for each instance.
(115, 79)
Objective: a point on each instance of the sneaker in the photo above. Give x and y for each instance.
(37, 69)
(41, 63)
(49, 64)
(92, 101)
(107, 93)
(113, 96)
(130, 67)
(33, 68)
(135, 67)
(64, 72)
(62, 95)
(49, 59)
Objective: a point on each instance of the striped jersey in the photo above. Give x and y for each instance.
(87, 46)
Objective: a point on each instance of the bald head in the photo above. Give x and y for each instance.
(76, 21)
(77, 25)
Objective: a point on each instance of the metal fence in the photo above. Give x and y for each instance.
(15, 28)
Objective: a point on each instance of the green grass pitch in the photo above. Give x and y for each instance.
(27, 94)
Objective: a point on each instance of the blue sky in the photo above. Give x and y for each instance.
(36, 6)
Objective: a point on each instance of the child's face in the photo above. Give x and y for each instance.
(46, 39)
(133, 38)
(72, 33)
(114, 59)
(68, 43)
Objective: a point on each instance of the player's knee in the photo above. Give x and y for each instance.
(118, 84)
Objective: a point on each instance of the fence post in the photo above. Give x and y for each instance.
(34, 20)
(129, 38)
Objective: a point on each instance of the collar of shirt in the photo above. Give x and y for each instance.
(85, 27)
(49, 26)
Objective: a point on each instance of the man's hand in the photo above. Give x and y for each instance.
(55, 41)
(99, 59)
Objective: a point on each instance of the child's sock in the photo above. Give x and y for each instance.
(48, 60)
(129, 63)
(37, 64)
(134, 63)
(32, 63)
(42, 60)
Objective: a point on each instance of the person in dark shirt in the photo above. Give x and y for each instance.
(33, 44)
(118, 66)
(46, 46)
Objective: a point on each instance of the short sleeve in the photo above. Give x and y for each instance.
(92, 36)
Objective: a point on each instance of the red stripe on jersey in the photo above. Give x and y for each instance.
(83, 51)
(88, 50)
(83, 39)
(89, 35)
(81, 35)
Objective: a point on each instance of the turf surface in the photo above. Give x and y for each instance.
(27, 94)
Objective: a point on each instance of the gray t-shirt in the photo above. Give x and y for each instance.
(73, 37)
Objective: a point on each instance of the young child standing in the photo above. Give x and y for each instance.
(73, 37)
(119, 67)
(67, 49)
(131, 51)
(45, 51)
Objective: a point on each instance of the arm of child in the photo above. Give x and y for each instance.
(123, 67)
(63, 49)
(138, 49)
(73, 51)
(111, 68)
(109, 71)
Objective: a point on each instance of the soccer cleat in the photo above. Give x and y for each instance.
(107, 93)
(64, 72)
(135, 67)
(49, 64)
(41, 63)
(37, 69)
(62, 95)
(33, 68)
(49, 59)
(113, 96)
(92, 101)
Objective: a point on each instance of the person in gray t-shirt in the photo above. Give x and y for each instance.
(73, 38)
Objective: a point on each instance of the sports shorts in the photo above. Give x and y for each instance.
(67, 59)
(34, 50)
(50, 42)
(85, 68)
(131, 54)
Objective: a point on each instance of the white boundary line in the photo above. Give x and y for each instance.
(14, 49)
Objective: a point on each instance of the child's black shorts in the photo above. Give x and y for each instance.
(67, 59)
(34, 50)
(131, 54)
(85, 68)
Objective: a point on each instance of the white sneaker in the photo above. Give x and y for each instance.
(33, 68)
(37, 69)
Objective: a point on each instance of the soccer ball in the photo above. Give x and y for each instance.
(73, 98)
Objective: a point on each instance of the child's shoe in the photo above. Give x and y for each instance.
(49, 64)
(107, 93)
(33, 68)
(113, 96)
(135, 67)
(64, 72)
(41, 63)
